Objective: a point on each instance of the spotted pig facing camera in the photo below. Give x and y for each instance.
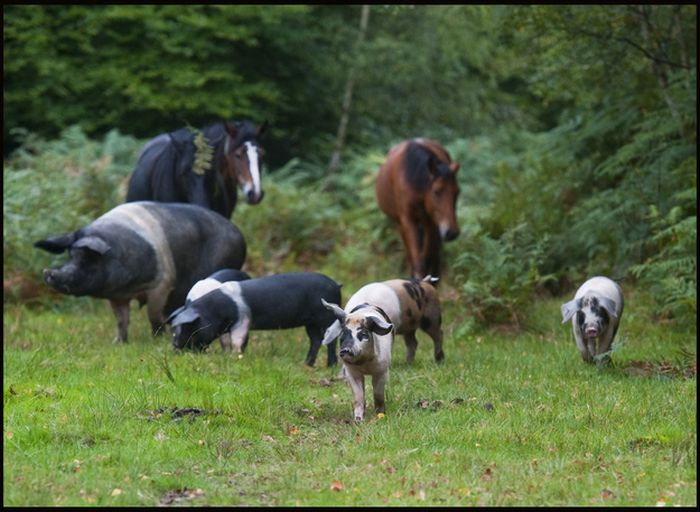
(596, 311)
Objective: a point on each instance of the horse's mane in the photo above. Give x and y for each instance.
(416, 159)
(215, 132)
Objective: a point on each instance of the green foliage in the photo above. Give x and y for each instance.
(575, 127)
(500, 275)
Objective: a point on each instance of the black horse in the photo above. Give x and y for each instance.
(201, 166)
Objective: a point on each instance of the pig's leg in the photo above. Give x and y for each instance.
(156, 303)
(239, 334)
(332, 356)
(378, 384)
(120, 308)
(435, 332)
(411, 345)
(315, 338)
(226, 343)
(604, 343)
(581, 346)
(357, 384)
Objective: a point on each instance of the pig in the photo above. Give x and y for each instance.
(598, 306)
(280, 301)
(149, 251)
(367, 325)
(209, 284)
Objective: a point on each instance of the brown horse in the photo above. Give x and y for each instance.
(416, 188)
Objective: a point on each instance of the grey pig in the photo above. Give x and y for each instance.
(149, 251)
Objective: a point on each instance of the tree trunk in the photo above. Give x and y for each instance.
(347, 100)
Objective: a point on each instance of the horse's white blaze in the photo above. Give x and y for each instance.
(252, 151)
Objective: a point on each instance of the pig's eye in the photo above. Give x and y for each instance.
(362, 334)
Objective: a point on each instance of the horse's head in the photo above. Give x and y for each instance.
(244, 157)
(441, 197)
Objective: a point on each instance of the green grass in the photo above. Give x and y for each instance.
(509, 419)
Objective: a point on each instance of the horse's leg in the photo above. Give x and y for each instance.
(432, 248)
(411, 240)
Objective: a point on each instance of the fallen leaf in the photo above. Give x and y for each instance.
(293, 429)
(488, 475)
(424, 403)
(380, 415)
(337, 485)
(116, 492)
(606, 494)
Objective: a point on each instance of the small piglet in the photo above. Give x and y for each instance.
(152, 252)
(367, 326)
(598, 305)
(281, 301)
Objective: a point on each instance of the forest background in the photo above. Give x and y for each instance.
(576, 131)
(575, 127)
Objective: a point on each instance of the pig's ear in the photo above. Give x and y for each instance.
(430, 279)
(92, 243)
(569, 309)
(186, 316)
(174, 314)
(337, 311)
(56, 244)
(609, 306)
(378, 325)
(332, 332)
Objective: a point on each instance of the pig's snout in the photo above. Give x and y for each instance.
(345, 352)
(52, 279)
(591, 332)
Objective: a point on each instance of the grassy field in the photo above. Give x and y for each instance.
(509, 419)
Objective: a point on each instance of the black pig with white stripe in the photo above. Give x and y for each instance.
(281, 301)
(209, 284)
(596, 311)
(149, 251)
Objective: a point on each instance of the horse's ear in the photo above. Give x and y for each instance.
(262, 129)
(231, 129)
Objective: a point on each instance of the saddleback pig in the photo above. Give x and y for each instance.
(152, 252)
(209, 284)
(596, 311)
(365, 329)
(281, 301)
